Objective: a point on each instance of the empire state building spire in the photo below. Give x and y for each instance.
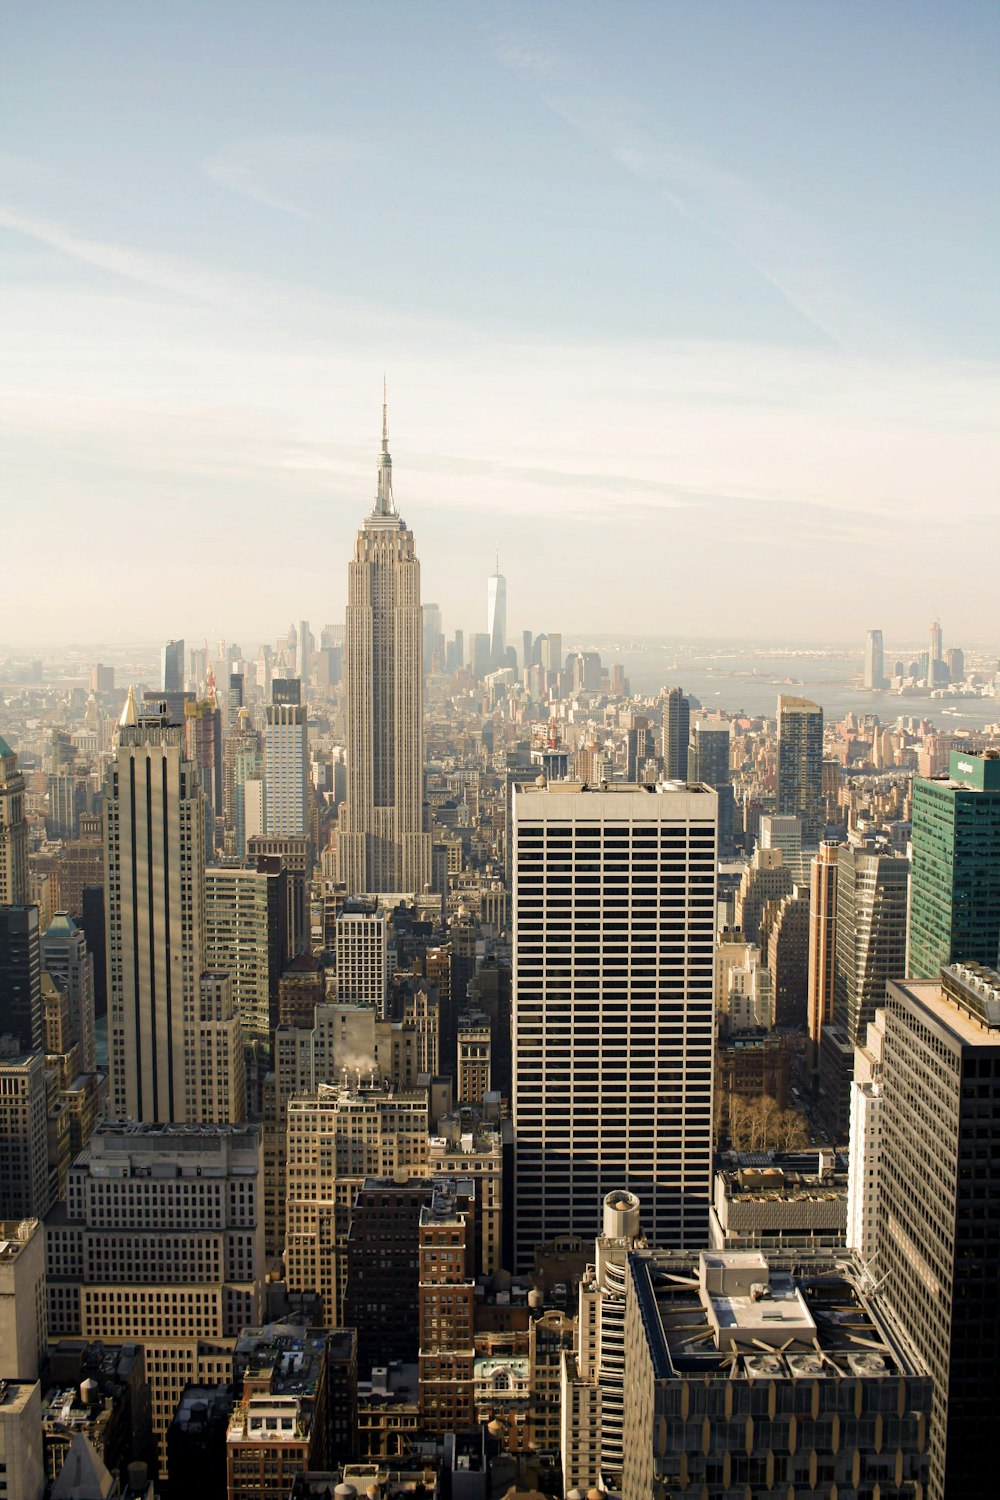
(384, 504)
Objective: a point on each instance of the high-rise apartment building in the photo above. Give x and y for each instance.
(496, 616)
(800, 765)
(64, 955)
(160, 1240)
(20, 977)
(676, 735)
(382, 845)
(13, 831)
(165, 1025)
(871, 934)
(172, 667)
(938, 1216)
(955, 884)
(874, 678)
(614, 922)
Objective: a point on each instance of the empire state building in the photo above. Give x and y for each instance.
(381, 843)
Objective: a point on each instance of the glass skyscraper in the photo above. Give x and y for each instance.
(955, 884)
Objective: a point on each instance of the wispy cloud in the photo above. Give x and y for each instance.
(781, 243)
(262, 168)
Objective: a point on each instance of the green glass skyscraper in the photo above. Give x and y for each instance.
(955, 883)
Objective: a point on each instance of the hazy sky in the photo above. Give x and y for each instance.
(690, 309)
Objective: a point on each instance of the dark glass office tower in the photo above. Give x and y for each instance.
(800, 765)
(21, 977)
(676, 734)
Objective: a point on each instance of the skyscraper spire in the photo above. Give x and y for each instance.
(384, 505)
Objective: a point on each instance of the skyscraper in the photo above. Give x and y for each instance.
(13, 831)
(676, 734)
(175, 1051)
(496, 616)
(614, 921)
(65, 957)
(800, 765)
(21, 977)
(936, 672)
(172, 667)
(874, 662)
(381, 842)
(938, 1207)
(870, 934)
(286, 763)
(955, 886)
(303, 651)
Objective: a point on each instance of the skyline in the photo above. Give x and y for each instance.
(621, 298)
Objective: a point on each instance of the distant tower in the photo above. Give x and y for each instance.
(303, 651)
(172, 660)
(496, 616)
(800, 765)
(874, 662)
(382, 845)
(676, 735)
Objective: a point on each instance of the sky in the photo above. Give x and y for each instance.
(688, 309)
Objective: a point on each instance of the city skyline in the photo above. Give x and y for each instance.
(787, 345)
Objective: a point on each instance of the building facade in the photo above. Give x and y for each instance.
(614, 920)
(938, 1205)
(955, 886)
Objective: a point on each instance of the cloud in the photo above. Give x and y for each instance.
(262, 167)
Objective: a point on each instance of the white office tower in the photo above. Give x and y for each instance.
(381, 841)
(592, 1383)
(496, 616)
(866, 1141)
(175, 1050)
(286, 770)
(614, 924)
(365, 954)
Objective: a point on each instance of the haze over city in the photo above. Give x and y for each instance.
(690, 310)
(499, 751)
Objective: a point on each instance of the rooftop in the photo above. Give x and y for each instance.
(747, 1315)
